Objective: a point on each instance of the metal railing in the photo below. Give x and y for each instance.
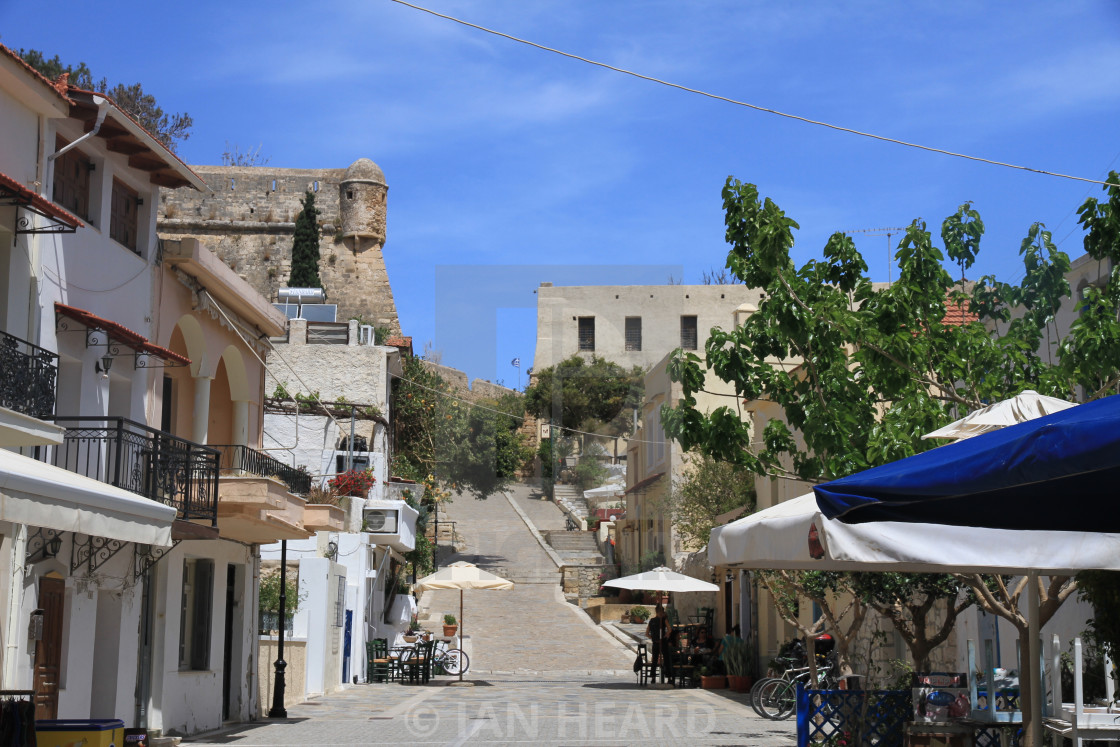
(28, 377)
(244, 460)
(142, 460)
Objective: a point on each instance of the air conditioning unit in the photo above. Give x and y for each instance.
(380, 520)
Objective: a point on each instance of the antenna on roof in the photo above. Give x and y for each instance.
(888, 232)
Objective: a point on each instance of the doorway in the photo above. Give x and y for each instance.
(227, 654)
(48, 649)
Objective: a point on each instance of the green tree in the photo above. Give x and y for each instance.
(708, 489)
(879, 366)
(594, 394)
(305, 246)
(168, 129)
(458, 445)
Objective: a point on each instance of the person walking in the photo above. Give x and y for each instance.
(658, 629)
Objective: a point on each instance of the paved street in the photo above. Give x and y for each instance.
(542, 672)
(508, 709)
(531, 628)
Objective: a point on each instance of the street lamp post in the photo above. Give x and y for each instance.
(278, 710)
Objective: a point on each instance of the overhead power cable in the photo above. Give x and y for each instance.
(746, 104)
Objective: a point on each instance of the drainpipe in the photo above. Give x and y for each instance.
(102, 110)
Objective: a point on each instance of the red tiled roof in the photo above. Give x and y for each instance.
(957, 314)
(33, 72)
(43, 206)
(121, 334)
(398, 341)
(80, 101)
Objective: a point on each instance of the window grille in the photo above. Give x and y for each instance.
(587, 333)
(340, 603)
(634, 333)
(688, 333)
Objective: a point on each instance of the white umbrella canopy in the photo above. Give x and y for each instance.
(661, 579)
(795, 535)
(462, 575)
(1027, 405)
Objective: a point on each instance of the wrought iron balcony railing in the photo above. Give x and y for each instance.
(141, 460)
(28, 377)
(244, 460)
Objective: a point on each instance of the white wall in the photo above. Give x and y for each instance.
(186, 702)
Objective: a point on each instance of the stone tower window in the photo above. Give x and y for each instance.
(273, 185)
(349, 194)
(315, 186)
(232, 183)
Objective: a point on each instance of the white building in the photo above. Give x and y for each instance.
(632, 325)
(348, 577)
(128, 588)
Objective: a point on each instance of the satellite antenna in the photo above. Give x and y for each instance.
(888, 232)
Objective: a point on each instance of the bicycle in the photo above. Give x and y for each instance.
(777, 697)
(451, 661)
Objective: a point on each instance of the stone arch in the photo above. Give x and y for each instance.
(235, 371)
(194, 341)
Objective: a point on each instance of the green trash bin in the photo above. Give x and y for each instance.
(97, 732)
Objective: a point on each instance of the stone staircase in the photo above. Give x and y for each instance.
(571, 497)
(575, 548)
(522, 574)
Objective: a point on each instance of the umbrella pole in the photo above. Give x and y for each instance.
(460, 629)
(1034, 728)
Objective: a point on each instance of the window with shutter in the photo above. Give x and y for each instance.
(689, 338)
(196, 614)
(123, 220)
(71, 180)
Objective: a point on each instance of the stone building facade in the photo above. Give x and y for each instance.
(247, 217)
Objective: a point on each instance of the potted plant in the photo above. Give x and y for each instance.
(625, 617)
(639, 614)
(450, 625)
(737, 660)
(710, 681)
(410, 635)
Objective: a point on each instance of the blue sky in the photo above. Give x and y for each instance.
(501, 158)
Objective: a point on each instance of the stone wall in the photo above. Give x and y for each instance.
(474, 391)
(247, 218)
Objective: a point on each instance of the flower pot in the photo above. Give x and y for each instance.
(410, 639)
(738, 683)
(713, 681)
(450, 630)
(625, 618)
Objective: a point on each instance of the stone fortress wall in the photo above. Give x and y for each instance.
(247, 218)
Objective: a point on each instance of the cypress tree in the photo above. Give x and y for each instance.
(305, 249)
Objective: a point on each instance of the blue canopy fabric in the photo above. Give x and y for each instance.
(1058, 472)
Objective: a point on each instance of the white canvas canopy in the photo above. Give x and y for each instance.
(661, 579)
(1027, 405)
(779, 537)
(795, 535)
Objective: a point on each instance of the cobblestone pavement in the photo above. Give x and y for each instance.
(531, 628)
(508, 709)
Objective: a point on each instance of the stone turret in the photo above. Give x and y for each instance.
(247, 218)
(361, 201)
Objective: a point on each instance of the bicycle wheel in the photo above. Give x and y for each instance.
(755, 694)
(455, 662)
(777, 700)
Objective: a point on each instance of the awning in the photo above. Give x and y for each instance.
(42, 495)
(14, 193)
(120, 334)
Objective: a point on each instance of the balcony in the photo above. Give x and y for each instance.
(28, 379)
(242, 460)
(142, 460)
(259, 501)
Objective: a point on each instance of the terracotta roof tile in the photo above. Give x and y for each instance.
(957, 314)
(37, 202)
(34, 73)
(120, 333)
